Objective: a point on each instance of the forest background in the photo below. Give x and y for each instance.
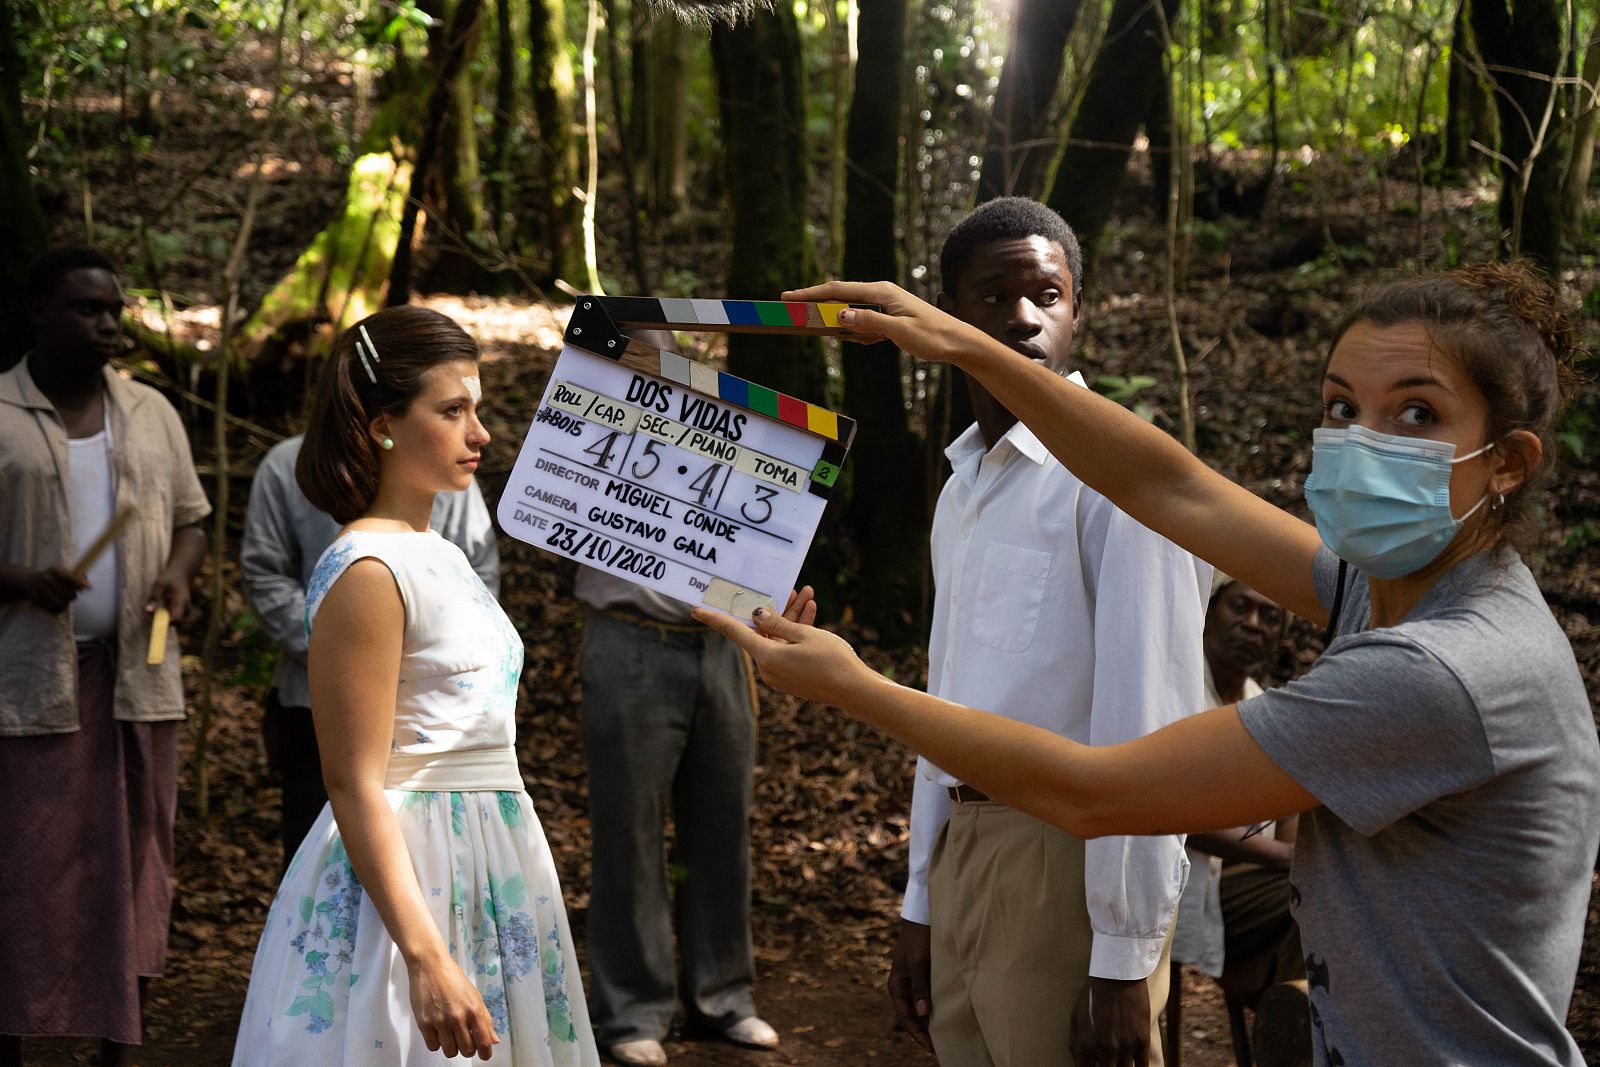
(267, 171)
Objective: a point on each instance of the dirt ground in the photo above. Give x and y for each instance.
(820, 986)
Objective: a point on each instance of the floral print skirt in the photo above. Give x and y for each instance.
(329, 987)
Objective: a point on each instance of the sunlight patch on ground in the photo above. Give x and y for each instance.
(505, 326)
(272, 168)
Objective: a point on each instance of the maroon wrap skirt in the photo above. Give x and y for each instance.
(85, 866)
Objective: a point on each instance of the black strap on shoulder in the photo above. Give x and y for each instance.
(1338, 606)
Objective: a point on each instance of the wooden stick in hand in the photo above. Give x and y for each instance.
(113, 530)
(158, 636)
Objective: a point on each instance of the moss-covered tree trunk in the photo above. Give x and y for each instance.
(549, 225)
(22, 229)
(886, 465)
(339, 278)
(449, 181)
(440, 150)
(1125, 74)
(1521, 44)
(1470, 112)
(1018, 148)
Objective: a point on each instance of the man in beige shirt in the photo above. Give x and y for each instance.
(88, 728)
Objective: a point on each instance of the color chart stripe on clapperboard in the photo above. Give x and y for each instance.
(758, 398)
(668, 312)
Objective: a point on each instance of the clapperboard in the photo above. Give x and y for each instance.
(671, 474)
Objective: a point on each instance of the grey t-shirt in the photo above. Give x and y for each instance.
(1441, 889)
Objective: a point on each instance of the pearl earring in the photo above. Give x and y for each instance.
(388, 443)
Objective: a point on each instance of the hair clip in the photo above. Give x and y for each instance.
(370, 348)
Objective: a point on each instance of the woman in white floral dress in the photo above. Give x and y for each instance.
(421, 919)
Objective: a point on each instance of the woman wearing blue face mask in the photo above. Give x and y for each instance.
(1442, 749)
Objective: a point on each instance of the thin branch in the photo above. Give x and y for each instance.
(232, 276)
(161, 381)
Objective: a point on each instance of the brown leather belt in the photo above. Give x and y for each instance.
(965, 794)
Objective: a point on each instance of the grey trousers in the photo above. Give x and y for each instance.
(668, 719)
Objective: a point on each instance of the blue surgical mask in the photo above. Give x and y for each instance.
(1382, 502)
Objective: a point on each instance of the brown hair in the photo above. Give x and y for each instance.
(338, 465)
(1507, 328)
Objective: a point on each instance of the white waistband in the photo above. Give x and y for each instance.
(474, 770)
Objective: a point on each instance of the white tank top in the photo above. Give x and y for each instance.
(91, 500)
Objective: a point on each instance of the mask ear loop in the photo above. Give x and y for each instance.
(1469, 455)
(1495, 503)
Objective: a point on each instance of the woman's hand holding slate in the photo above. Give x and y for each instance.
(913, 324)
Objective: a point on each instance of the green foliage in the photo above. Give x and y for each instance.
(258, 653)
(1580, 431)
(1591, 303)
(1209, 237)
(1126, 390)
(1359, 92)
(1582, 536)
(384, 24)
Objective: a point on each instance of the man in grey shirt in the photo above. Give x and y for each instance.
(669, 725)
(284, 536)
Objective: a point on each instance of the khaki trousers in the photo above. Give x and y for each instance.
(1011, 941)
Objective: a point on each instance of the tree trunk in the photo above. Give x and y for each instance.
(886, 468)
(659, 114)
(759, 68)
(1158, 132)
(1126, 73)
(1217, 19)
(1526, 37)
(1018, 149)
(841, 68)
(142, 49)
(22, 228)
(758, 65)
(458, 146)
(1470, 108)
(551, 224)
(440, 136)
(1315, 29)
(452, 186)
(505, 119)
(641, 30)
(1575, 187)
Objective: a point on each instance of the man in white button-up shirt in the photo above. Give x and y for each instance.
(1056, 609)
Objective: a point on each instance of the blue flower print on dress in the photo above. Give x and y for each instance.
(327, 942)
(509, 668)
(494, 998)
(557, 1009)
(329, 567)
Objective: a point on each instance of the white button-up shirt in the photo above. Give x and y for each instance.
(1054, 608)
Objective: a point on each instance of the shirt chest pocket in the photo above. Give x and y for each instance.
(147, 471)
(1010, 595)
